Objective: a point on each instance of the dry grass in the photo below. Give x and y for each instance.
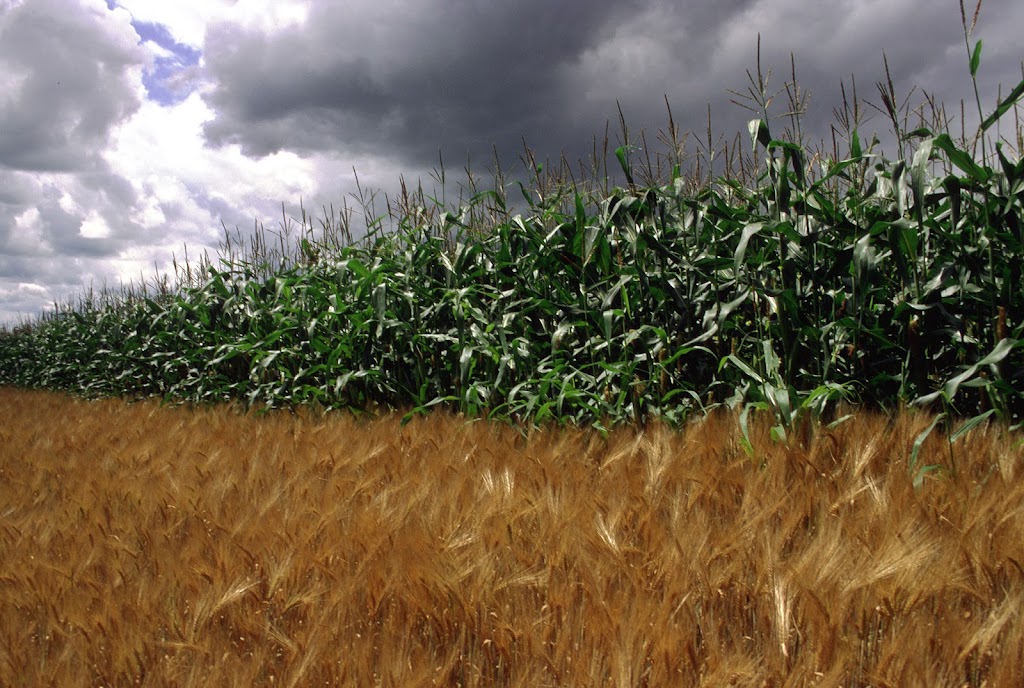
(142, 545)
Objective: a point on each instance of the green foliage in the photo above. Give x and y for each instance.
(796, 280)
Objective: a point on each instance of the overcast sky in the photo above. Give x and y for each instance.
(131, 128)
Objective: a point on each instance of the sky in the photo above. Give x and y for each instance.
(131, 130)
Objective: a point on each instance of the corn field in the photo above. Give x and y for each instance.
(798, 277)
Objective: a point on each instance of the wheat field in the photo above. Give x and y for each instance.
(172, 546)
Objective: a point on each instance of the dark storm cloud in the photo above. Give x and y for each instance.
(427, 75)
(407, 79)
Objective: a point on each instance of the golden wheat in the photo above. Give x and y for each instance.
(142, 545)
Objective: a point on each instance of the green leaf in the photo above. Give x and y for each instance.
(741, 248)
(378, 299)
(960, 158)
(1001, 350)
(1011, 99)
(714, 318)
(975, 59)
(783, 406)
(921, 473)
(465, 358)
(621, 153)
(356, 267)
(918, 173)
(778, 434)
(759, 133)
(745, 429)
(581, 214)
(591, 235)
(919, 440)
(747, 370)
(833, 171)
(970, 425)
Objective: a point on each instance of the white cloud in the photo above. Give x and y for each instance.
(28, 237)
(268, 16)
(187, 20)
(175, 175)
(94, 226)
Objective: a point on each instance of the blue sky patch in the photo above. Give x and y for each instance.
(169, 80)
